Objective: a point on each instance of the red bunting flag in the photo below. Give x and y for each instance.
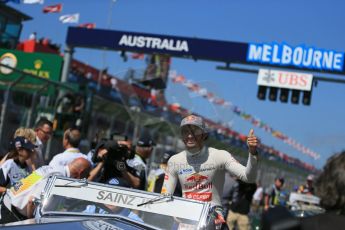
(88, 25)
(53, 9)
(174, 107)
(138, 56)
(179, 79)
(209, 95)
(219, 101)
(194, 87)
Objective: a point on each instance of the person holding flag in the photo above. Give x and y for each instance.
(201, 170)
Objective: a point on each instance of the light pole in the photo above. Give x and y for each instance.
(104, 54)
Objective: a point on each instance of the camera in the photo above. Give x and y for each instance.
(116, 152)
(118, 137)
(114, 160)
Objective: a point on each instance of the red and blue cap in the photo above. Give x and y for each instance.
(22, 142)
(194, 120)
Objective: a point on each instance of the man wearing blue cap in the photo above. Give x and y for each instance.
(143, 151)
(201, 170)
(15, 167)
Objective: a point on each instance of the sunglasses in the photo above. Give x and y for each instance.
(46, 133)
(195, 131)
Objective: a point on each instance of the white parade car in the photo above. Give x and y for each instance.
(78, 204)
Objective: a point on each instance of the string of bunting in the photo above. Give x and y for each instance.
(57, 8)
(211, 97)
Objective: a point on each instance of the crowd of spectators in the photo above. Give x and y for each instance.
(118, 162)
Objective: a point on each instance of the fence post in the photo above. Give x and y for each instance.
(4, 111)
(66, 63)
(33, 105)
(5, 104)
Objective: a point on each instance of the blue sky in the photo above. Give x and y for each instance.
(320, 24)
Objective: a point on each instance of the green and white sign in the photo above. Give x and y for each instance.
(45, 66)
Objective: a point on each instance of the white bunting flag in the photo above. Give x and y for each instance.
(70, 18)
(33, 1)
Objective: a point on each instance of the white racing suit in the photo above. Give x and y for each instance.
(202, 175)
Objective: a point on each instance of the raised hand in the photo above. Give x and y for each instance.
(252, 142)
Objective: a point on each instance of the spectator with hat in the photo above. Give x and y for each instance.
(15, 166)
(143, 151)
(308, 187)
(31, 136)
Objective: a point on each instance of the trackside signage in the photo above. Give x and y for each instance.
(45, 66)
(176, 46)
(130, 199)
(153, 43)
(267, 54)
(299, 56)
(283, 79)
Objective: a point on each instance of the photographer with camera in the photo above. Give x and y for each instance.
(110, 164)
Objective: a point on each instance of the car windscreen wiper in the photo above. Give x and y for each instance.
(82, 183)
(169, 197)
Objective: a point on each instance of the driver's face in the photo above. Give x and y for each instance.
(192, 136)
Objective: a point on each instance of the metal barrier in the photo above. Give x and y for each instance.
(17, 110)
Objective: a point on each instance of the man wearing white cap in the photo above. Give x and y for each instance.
(201, 170)
(308, 187)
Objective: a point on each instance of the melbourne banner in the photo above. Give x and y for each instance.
(45, 66)
(300, 57)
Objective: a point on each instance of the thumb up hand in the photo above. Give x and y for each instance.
(252, 142)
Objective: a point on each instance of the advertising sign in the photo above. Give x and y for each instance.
(175, 46)
(300, 56)
(266, 54)
(283, 79)
(45, 66)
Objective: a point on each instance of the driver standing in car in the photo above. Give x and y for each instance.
(201, 170)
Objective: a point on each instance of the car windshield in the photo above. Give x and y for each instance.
(304, 205)
(68, 197)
